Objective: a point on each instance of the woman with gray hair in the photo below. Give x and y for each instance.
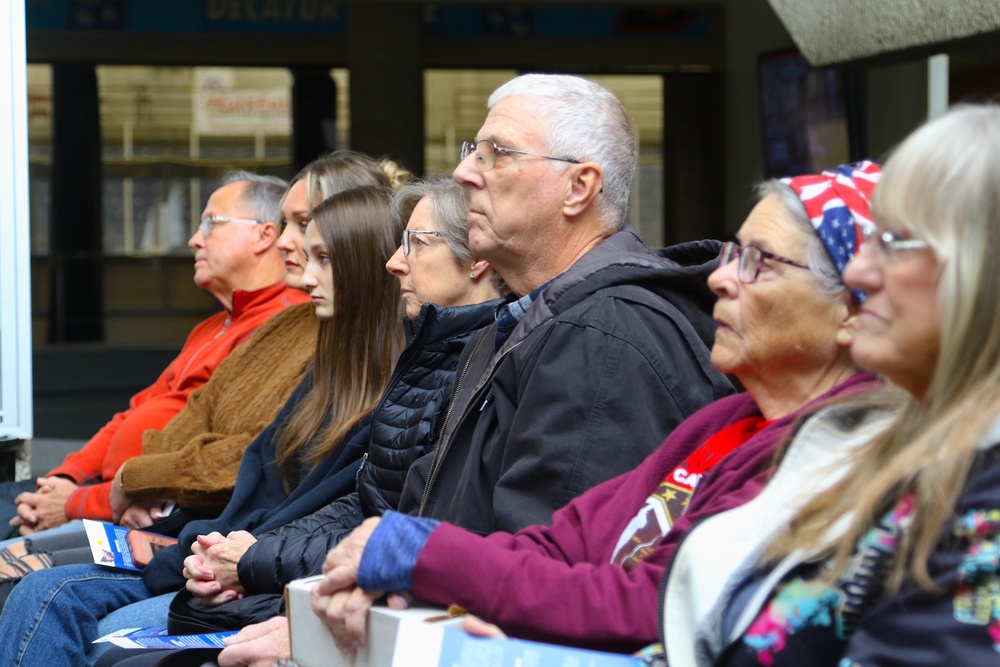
(436, 232)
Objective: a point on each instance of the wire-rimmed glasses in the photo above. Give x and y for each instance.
(891, 244)
(209, 221)
(486, 154)
(408, 232)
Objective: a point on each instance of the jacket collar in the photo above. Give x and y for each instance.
(244, 300)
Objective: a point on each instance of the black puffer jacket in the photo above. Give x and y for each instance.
(611, 356)
(404, 427)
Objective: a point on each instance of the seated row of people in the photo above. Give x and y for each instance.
(240, 265)
(614, 310)
(877, 525)
(193, 461)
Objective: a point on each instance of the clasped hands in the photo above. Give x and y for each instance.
(211, 569)
(45, 507)
(133, 512)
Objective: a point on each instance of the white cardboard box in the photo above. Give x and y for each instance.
(404, 639)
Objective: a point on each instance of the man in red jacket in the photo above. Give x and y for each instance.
(237, 261)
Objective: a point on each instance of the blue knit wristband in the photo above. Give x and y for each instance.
(391, 553)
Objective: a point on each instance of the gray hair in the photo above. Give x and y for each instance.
(449, 203)
(817, 258)
(586, 122)
(262, 195)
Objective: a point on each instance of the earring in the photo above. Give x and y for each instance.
(473, 275)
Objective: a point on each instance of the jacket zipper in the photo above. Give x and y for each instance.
(225, 325)
(191, 359)
(447, 420)
(441, 448)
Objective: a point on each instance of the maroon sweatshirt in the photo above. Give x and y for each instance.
(556, 583)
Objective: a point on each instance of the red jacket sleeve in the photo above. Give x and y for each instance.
(86, 465)
(122, 440)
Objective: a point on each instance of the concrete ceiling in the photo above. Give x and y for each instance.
(838, 31)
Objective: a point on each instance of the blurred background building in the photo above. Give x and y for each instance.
(136, 107)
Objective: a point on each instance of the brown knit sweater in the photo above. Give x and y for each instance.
(195, 458)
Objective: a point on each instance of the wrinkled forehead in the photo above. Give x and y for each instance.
(227, 200)
(514, 120)
(421, 217)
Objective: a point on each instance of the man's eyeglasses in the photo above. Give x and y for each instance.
(751, 257)
(891, 244)
(209, 221)
(486, 154)
(408, 232)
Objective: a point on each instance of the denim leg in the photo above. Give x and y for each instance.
(8, 508)
(73, 527)
(52, 616)
(148, 613)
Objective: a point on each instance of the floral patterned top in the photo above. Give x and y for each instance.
(806, 623)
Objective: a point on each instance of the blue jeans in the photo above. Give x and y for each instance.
(143, 614)
(52, 616)
(73, 526)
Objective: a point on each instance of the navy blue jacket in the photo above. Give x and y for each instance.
(404, 426)
(259, 501)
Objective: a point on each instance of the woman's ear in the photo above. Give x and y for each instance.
(848, 326)
(479, 267)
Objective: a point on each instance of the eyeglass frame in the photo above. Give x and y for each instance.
(889, 243)
(405, 241)
(472, 147)
(209, 221)
(739, 254)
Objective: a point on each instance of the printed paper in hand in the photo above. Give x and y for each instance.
(158, 638)
(112, 546)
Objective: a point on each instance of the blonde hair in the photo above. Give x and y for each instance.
(357, 349)
(344, 170)
(942, 185)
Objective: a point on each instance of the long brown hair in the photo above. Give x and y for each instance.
(941, 186)
(356, 349)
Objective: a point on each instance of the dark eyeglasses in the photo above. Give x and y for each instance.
(209, 221)
(408, 232)
(751, 257)
(486, 154)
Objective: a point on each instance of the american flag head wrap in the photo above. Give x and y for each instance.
(838, 203)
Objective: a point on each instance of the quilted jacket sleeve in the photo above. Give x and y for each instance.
(298, 549)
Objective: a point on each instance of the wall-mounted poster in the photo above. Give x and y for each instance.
(804, 111)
